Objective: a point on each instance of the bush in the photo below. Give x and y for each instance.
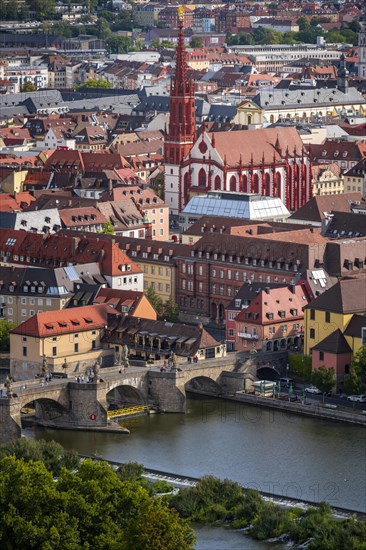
(271, 521)
(131, 471)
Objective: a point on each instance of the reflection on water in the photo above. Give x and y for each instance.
(264, 449)
(219, 538)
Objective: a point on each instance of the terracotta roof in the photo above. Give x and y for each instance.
(346, 296)
(246, 144)
(334, 343)
(64, 321)
(118, 298)
(56, 250)
(13, 202)
(274, 306)
(87, 215)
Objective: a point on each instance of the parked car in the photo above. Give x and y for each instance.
(312, 389)
(359, 398)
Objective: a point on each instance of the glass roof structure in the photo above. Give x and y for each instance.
(249, 206)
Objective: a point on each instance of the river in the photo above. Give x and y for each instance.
(265, 449)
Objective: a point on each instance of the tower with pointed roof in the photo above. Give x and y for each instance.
(362, 48)
(181, 133)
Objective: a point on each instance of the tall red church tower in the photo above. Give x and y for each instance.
(182, 124)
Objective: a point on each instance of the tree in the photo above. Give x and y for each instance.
(323, 378)
(196, 42)
(45, 8)
(300, 365)
(171, 311)
(96, 83)
(28, 87)
(108, 228)
(52, 454)
(120, 44)
(3, 10)
(5, 328)
(89, 508)
(158, 186)
(355, 381)
(12, 11)
(155, 300)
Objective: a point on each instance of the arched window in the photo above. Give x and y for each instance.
(278, 182)
(217, 183)
(255, 183)
(233, 183)
(266, 190)
(245, 184)
(202, 178)
(249, 119)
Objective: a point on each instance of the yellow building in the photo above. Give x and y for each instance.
(71, 335)
(333, 310)
(327, 180)
(13, 183)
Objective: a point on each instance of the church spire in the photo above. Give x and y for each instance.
(182, 122)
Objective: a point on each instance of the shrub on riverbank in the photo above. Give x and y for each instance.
(216, 501)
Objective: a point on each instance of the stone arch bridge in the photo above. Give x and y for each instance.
(67, 404)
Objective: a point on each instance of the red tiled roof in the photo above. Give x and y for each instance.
(272, 303)
(64, 321)
(88, 215)
(12, 203)
(256, 143)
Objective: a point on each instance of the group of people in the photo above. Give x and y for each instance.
(192, 359)
(46, 379)
(88, 378)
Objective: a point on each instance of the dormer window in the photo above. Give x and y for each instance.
(336, 153)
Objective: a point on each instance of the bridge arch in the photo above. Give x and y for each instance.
(203, 384)
(47, 410)
(125, 395)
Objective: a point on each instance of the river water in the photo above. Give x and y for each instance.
(265, 449)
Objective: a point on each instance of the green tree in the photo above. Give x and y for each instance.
(103, 29)
(90, 508)
(5, 328)
(196, 42)
(131, 471)
(158, 186)
(355, 381)
(108, 228)
(28, 87)
(155, 300)
(120, 44)
(300, 365)
(3, 10)
(45, 9)
(12, 11)
(52, 454)
(96, 83)
(171, 311)
(323, 378)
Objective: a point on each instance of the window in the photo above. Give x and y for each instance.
(327, 317)
(48, 302)
(24, 312)
(24, 339)
(312, 333)
(312, 314)
(76, 348)
(24, 351)
(10, 299)
(10, 311)
(54, 351)
(231, 332)
(321, 355)
(32, 301)
(24, 301)
(94, 344)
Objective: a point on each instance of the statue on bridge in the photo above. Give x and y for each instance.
(45, 367)
(125, 356)
(173, 361)
(9, 387)
(96, 369)
(117, 357)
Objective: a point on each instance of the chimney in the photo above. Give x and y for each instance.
(267, 289)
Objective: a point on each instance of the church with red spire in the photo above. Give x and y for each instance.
(181, 133)
(267, 161)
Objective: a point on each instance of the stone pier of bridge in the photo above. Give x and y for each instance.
(71, 405)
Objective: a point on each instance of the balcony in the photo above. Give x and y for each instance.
(248, 336)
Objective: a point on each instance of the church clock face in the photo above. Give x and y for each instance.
(202, 147)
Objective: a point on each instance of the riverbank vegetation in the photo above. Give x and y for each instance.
(86, 508)
(225, 502)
